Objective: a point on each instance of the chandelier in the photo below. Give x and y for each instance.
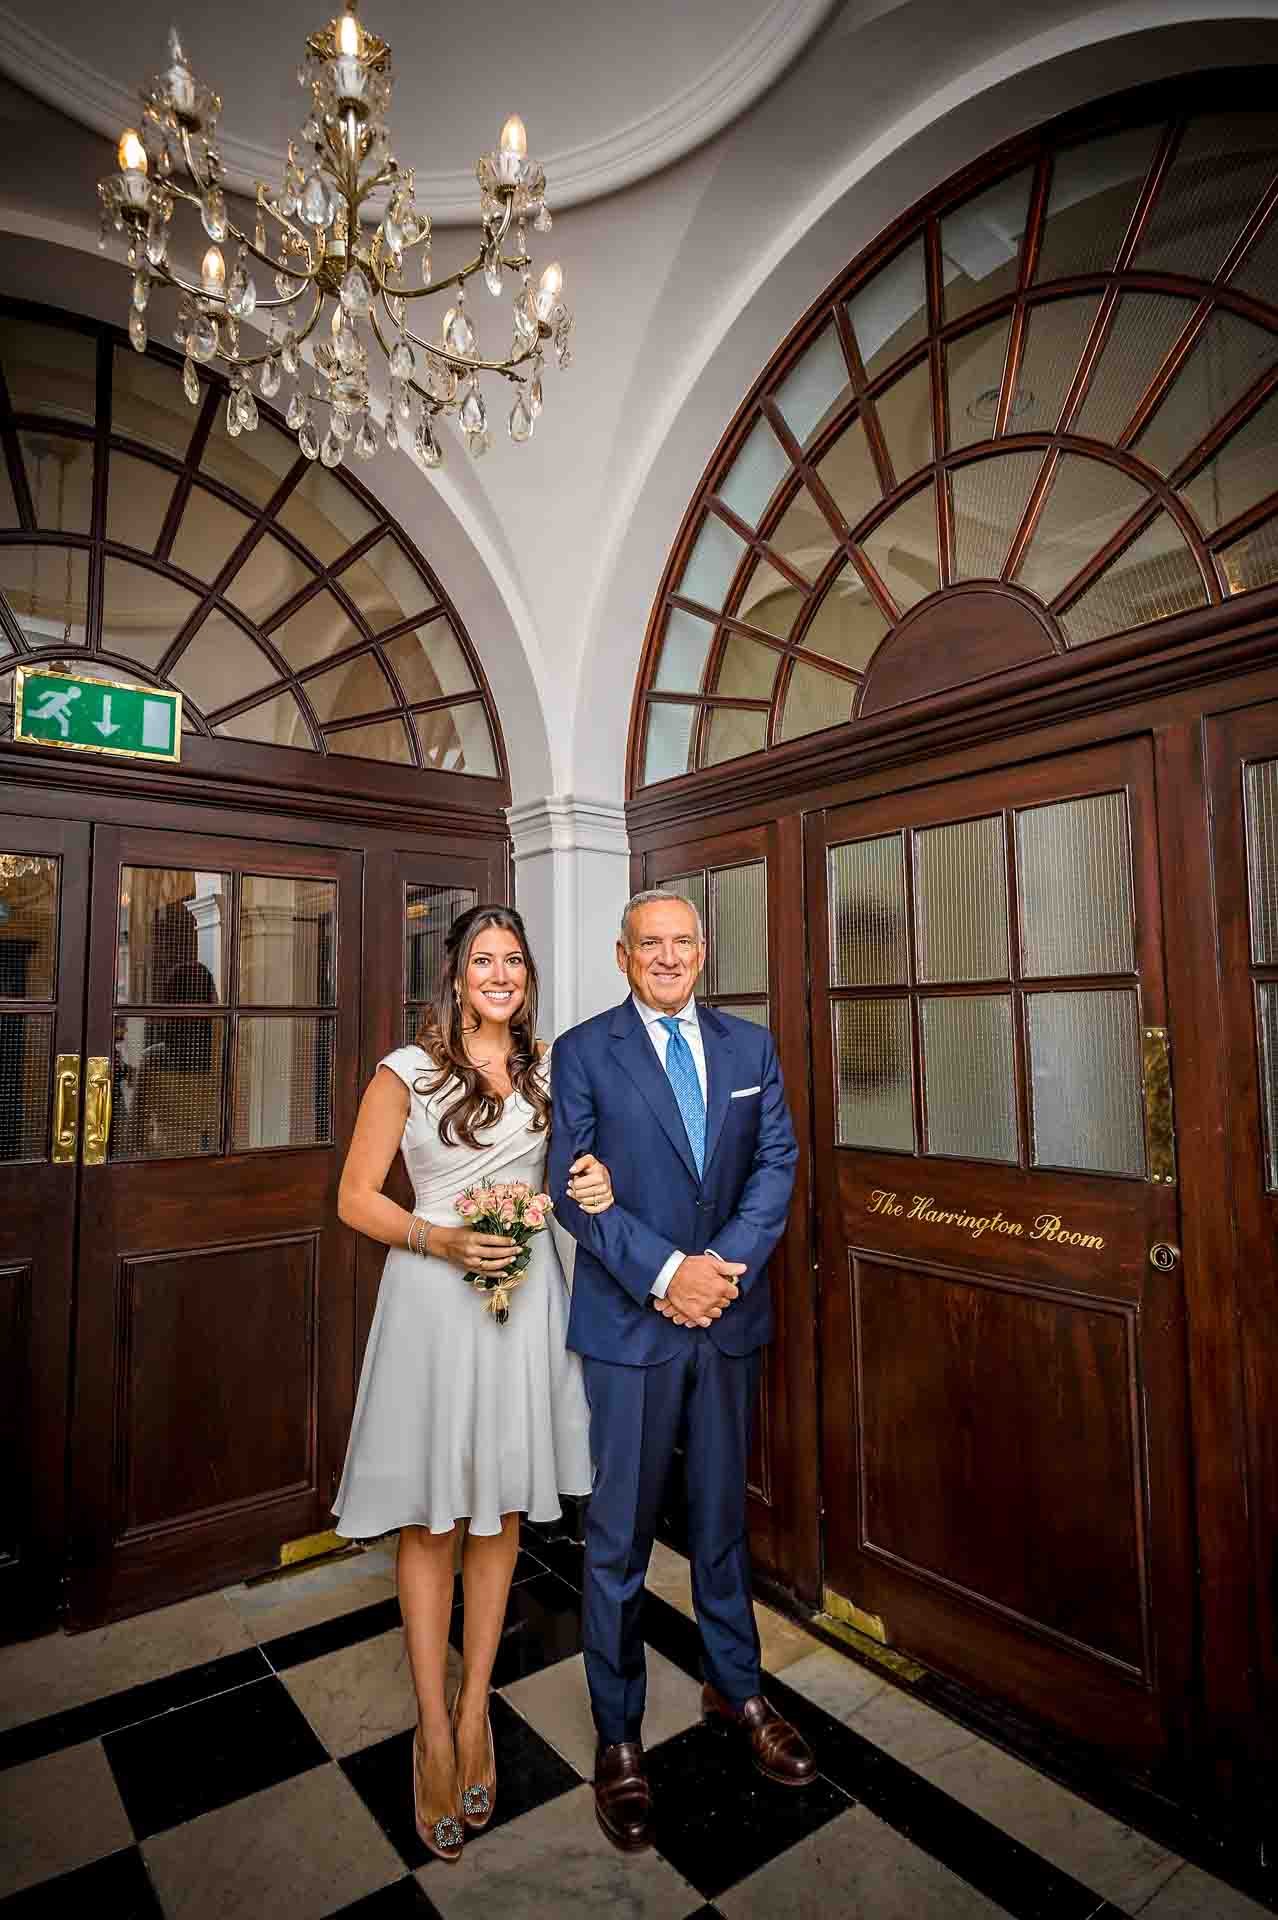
(343, 242)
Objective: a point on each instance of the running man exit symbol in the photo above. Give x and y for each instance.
(96, 716)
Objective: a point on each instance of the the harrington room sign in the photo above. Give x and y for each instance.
(96, 716)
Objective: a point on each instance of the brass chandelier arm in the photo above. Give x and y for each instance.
(195, 199)
(504, 367)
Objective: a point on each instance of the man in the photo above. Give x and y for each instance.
(670, 1312)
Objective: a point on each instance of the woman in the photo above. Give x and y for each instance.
(458, 1416)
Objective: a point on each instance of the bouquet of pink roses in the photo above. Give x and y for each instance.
(514, 1211)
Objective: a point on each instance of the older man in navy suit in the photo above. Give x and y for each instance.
(670, 1312)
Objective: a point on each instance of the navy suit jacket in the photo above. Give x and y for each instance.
(612, 1098)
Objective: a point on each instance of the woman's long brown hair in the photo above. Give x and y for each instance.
(442, 1034)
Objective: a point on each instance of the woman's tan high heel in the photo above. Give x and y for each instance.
(478, 1801)
(444, 1837)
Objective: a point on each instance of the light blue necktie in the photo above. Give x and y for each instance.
(681, 1069)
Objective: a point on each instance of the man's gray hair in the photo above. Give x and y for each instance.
(648, 895)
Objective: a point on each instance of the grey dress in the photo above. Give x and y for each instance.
(457, 1416)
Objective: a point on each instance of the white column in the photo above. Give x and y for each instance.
(572, 878)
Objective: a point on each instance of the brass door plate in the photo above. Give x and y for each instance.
(66, 1108)
(1160, 1124)
(97, 1110)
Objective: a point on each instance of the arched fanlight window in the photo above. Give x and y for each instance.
(275, 594)
(1062, 382)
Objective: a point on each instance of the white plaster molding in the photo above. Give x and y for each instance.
(567, 823)
(575, 174)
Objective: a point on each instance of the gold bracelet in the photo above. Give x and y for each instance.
(418, 1239)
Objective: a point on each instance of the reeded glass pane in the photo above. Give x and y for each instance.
(990, 497)
(167, 1102)
(689, 886)
(1222, 166)
(283, 1081)
(358, 686)
(1086, 506)
(969, 1077)
(221, 664)
(1055, 336)
(138, 497)
(849, 623)
(429, 911)
(276, 722)
(755, 1011)
(816, 388)
(815, 700)
(1260, 793)
(974, 375)
(1085, 1070)
(1074, 888)
(1252, 561)
(903, 549)
(873, 1074)
(1267, 1023)
(732, 732)
(144, 612)
(1243, 472)
(386, 586)
(981, 244)
(254, 465)
(960, 901)
(1089, 207)
(1230, 356)
(454, 740)
(288, 941)
(60, 481)
(26, 1048)
(747, 669)
(849, 472)
(869, 946)
(320, 627)
(270, 575)
(325, 515)
(207, 535)
(889, 314)
(412, 1025)
(768, 600)
(684, 648)
(905, 415)
(755, 474)
(171, 947)
(803, 536)
(379, 740)
(668, 741)
(715, 554)
(430, 662)
(148, 404)
(47, 590)
(1146, 327)
(50, 369)
(29, 919)
(739, 928)
(1154, 578)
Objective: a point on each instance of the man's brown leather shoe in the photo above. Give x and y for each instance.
(779, 1750)
(623, 1798)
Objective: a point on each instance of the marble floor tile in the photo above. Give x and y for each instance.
(556, 1704)
(303, 1849)
(316, 1593)
(556, 1862)
(781, 1640)
(669, 1577)
(63, 1670)
(362, 1694)
(838, 1685)
(1192, 1894)
(1118, 1863)
(860, 1869)
(885, 1715)
(56, 1814)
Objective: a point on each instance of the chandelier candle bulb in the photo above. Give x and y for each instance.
(552, 284)
(512, 150)
(133, 168)
(213, 273)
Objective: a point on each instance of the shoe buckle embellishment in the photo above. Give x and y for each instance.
(475, 1801)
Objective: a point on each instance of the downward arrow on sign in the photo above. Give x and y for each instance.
(106, 726)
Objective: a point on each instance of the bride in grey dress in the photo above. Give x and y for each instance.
(457, 1416)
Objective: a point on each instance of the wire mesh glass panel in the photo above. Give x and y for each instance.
(168, 1084)
(1222, 166)
(974, 377)
(1252, 561)
(429, 663)
(960, 901)
(969, 1073)
(905, 415)
(990, 497)
(815, 700)
(429, 911)
(47, 589)
(386, 586)
(869, 940)
(816, 388)
(747, 669)
(689, 886)
(1260, 794)
(172, 942)
(1087, 504)
(874, 1074)
(668, 742)
(382, 740)
(803, 536)
(685, 648)
(889, 313)
(733, 731)
(715, 554)
(755, 474)
(60, 481)
(283, 1081)
(1093, 195)
(1055, 335)
(739, 928)
(29, 915)
(755, 1011)
(1267, 1027)
(769, 601)
(288, 941)
(26, 1058)
(1243, 472)
(1154, 578)
(849, 473)
(1074, 888)
(903, 549)
(1146, 327)
(981, 244)
(1085, 1072)
(1229, 357)
(456, 739)
(848, 625)
(412, 1024)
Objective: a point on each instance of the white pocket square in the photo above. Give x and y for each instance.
(742, 1093)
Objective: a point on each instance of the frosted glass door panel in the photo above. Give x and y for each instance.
(869, 945)
(1085, 1070)
(1076, 905)
(970, 1077)
(873, 1072)
(960, 901)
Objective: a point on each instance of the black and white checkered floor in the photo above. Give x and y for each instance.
(248, 1754)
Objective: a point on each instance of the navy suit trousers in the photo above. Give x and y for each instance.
(637, 1417)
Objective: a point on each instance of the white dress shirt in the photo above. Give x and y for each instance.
(690, 1028)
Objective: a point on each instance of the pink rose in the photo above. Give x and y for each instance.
(467, 1207)
(487, 1199)
(544, 1201)
(507, 1215)
(520, 1190)
(533, 1216)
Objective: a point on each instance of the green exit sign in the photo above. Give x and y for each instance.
(96, 716)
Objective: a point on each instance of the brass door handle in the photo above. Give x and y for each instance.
(97, 1110)
(66, 1107)
(1163, 1256)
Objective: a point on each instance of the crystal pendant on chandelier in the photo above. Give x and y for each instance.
(356, 295)
(331, 450)
(288, 352)
(241, 294)
(534, 395)
(319, 202)
(392, 431)
(492, 271)
(296, 414)
(141, 291)
(213, 213)
(269, 378)
(473, 416)
(248, 410)
(401, 361)
(520, 424)
(233, 423)
(365, 443)
(201, 342)
(190, 381)
(459, 335)
(137, 331)
(340, 425)
(307, 437)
